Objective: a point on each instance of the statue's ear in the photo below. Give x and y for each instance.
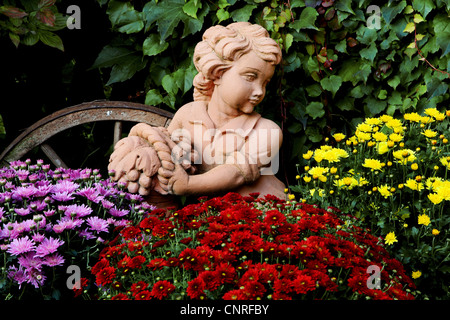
(216, 74)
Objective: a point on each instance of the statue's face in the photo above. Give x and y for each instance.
(243, 86)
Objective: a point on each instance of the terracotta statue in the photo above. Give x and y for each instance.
(217, 143)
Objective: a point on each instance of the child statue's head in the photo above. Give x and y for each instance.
(221, 46)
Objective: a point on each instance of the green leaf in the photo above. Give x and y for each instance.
(344, 5)
(191, 8)
(51, 39)
(153, 46)
(394, 82)
(436, 87)
(423, 6)
(243, 14)
(410, 27)
(374, 106)
(306, 21)
(389, 13)
(332, 83)
(369, 53)
(111, 55)
(126, 70)
(315, 110)
(30, 39)
(314, 90)
(222, 14)
(153, 97)
(167, 14)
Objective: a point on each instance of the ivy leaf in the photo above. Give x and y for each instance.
(409, 27)
(389, 13)
(191, 8)
(332, 83)
(153, 97)
(374, 106)
(306, 20)
(436, 87)
(167, 15)
(153, 46)
(124, 62)
(345, 5)
(243, 14)
(315, 109)
(369, 53)
(423, 6)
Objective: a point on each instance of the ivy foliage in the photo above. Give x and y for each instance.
(342, 60)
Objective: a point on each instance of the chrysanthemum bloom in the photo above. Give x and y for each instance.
(339, 137)
(78, 211)
(380, 137)
(429, 133)
(385, 191)
(21, 245)
(435, 198)
(414, 185)
(424, 219)
(416, 274)
(435, 232)
(390, 238)
(97, 224)
(373, 164)
(47, 246)
(54, 260)
(162, 289)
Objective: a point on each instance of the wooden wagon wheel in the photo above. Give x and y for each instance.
(118, 111)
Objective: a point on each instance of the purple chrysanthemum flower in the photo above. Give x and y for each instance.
(90, 194)
(118, 212)
(47, 246)
(107, 204)
(2, 212)
(97, 224)
(30, 261)
(87, 234)
(35, 277)
(38, 237)
(54, 260)
(17, 274)
(62, 196)
(38, 205)
(22, 211)
(44, 190)
(21, 245)
(23, 192)
(78, 211)
(65, 186)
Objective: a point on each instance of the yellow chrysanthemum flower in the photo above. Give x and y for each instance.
(435, 232)
(385, 191)
(424, 219)
(404, 156)
(316, 172)
(364, 127)
(394, 123)
(308, 155)
(385, 118)
(445, 162)
(373, 164)
(433, 112)
(413, 117)
(373, 121)
(414, 185)
(395, 137)
(380, 136)
(416, 274)
(363, 136)
(435, 198)
(429, 133)
(382, 147)
(339, 137)
(390, 238)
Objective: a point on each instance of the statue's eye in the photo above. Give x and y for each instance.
(250, 76)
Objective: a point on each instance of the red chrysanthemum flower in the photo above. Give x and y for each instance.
(100, 265)
(130, 232)
(157, 263)
(162, 289)
(303, 283)
(143, 295)
(105, 276)
(234, 295)
(136, 262)
(211, 279)
(195, 289)
(138, 287)
(274, 217)
(120, 296)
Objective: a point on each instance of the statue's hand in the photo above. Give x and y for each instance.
(134, 162)
(174, 182)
